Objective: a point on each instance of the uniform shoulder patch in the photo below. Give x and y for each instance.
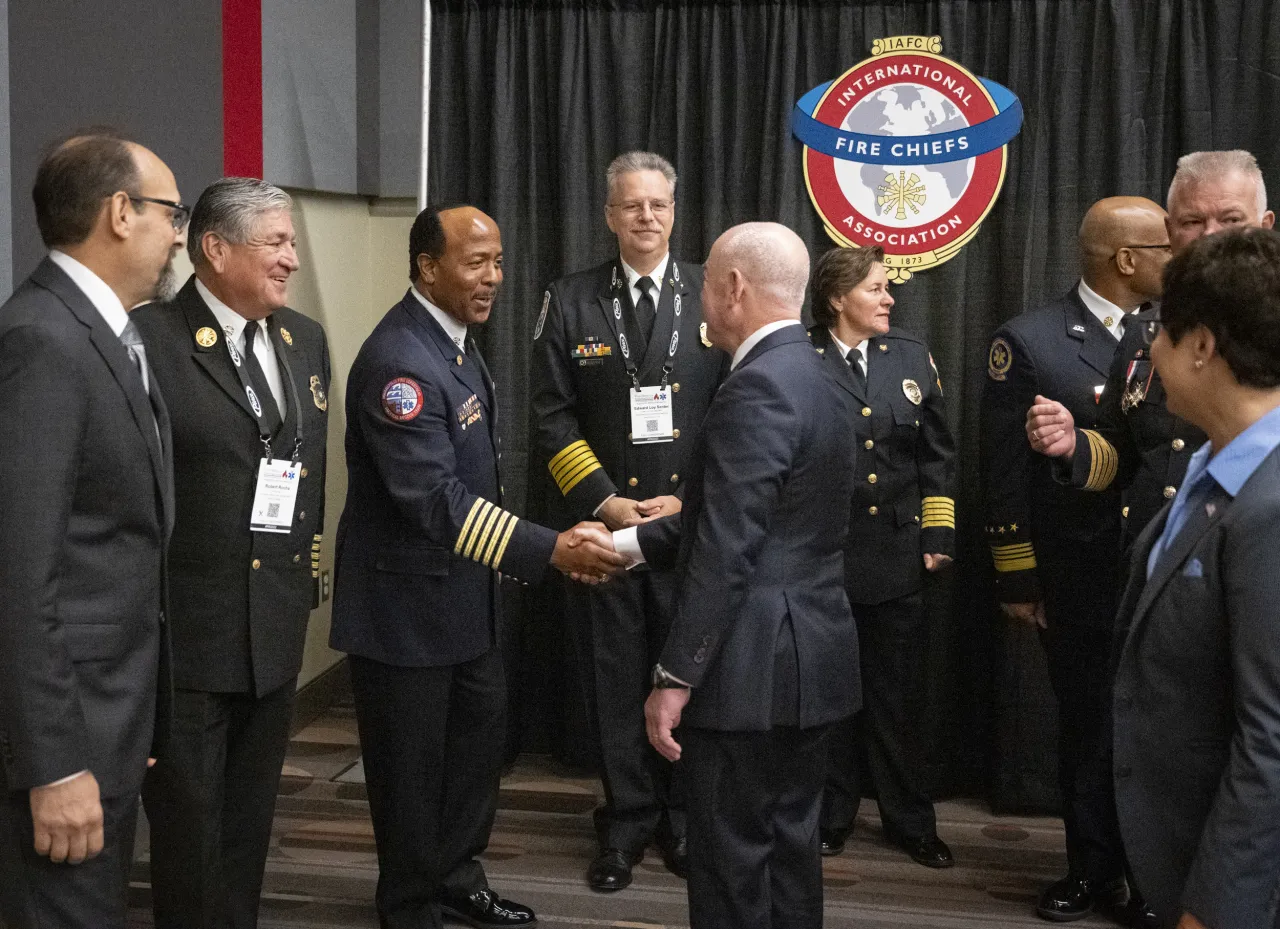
(936, 376)
(1000, 360)
(402, 399)
(542, 317)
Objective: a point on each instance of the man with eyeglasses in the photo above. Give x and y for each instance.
(1138, 446)
(247, 380)
(86, 505)
(1055, 548)
(622, 375)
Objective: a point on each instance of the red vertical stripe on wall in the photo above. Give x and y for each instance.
(242, 87)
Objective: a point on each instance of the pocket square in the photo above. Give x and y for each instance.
(1193, 569)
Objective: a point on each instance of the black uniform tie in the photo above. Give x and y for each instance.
(854, 357)
(270, 418)
(646, 312)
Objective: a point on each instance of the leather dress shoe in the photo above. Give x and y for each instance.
(1135, 914)
(831, 846)
(675, 855)
(484, 909)
(611, 870)
(929, 851)
(1075, 898)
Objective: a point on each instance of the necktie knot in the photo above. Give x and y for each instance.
(854, 357)
(645, 283)
(131, 337)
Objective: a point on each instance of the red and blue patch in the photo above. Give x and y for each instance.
(402, 399)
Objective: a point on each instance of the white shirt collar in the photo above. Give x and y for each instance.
(452, 328)
(231, 322)
(655, 275)
(844, 349)
(1102, 308)
(756, 337)
(102, 297)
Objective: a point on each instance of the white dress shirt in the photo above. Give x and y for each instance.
(452, 328)
(233, 325)
(1102, 308)
(102, 297)
(757, 337)
(655, 275)
(844, 350)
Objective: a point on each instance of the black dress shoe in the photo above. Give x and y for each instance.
(484, 909)
(611, 870)
(1067, 900)
(675, 855)
(929, 851)
(1135, 914)
(832, 844)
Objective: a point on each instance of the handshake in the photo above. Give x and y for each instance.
(586, 554)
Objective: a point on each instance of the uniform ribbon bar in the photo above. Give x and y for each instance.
(983, 137)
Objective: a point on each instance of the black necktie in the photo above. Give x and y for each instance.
(270, 416)
(859, 375)
(646, 313)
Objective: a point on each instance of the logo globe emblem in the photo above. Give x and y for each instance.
(906, 150)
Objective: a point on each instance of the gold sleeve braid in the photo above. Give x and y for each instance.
(485, 533)
(571, 464)
(315, 555)
(1104, 461)
(1020, 556)
(938, 513)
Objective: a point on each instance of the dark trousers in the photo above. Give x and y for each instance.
(619, 629)
(881, 742)
(1080, 596)
(210, 802)
(753, 802)
(35, 893)
(433, 748)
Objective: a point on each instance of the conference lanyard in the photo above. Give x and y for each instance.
(621, 336)
(238, 362)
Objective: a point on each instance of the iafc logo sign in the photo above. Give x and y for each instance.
(906, 150)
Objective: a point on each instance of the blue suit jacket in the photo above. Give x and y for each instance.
(759, 547)
(1197, 711)
(423, 534)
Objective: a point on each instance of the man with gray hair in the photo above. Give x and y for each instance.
(623, 371)
(762, 656)
(249, 379)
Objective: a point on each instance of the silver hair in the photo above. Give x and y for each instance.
(630, 162)
(1198, 167)
(772, 257)
(230, 208)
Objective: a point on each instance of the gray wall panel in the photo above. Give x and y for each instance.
(309, 94)
(400, 68)
(153, 68)
(6, 179)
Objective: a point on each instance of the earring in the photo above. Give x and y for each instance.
(1199, 363)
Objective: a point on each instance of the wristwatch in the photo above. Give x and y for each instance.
(664, 681)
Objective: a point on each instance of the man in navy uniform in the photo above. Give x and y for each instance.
(422, 545)
(632, 322)
(1138, 446)
(1056, 549)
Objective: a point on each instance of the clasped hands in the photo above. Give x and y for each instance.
(586, 554)
(620, 513)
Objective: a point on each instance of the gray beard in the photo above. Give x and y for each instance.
(167, 284)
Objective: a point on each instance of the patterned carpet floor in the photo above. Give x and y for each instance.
(323, 868)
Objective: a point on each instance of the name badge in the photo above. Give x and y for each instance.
(651, 418)
(274, 499)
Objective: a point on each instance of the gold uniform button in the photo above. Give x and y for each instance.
(633, 481)
(1170, 492)
(1179, 445)
(675, 478)
(304, 472)
(871, 478)
(256, 564)
(916, 518)
(1125, 512)
(868, 444)
(675, 388)
(297, 559)
(873, 510)
(675, 433)
(866, 411)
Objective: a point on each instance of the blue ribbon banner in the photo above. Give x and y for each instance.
(986, 136)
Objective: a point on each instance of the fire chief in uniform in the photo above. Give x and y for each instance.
(902, 523)
(634, 321)
(420, 546)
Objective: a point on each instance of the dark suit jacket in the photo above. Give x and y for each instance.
(1197, 712)
(85, 504)
(240, 600)
(423, 534)
(759, 547)
(1064, 353)
(902, 498)
(580, 416)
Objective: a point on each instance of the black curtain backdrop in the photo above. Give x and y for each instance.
(530, 102)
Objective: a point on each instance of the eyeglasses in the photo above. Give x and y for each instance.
(179, 213)
(1166, 246)
(637, 207)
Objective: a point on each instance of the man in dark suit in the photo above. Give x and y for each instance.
(1197, 687)
(86, 503)
(246, 379)
(1056, 549)
(422, 546)
(634, 321)
(757, 664)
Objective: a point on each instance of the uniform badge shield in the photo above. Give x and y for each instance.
(318, 395)
(912, 390)
(702, 334)
(286, 335)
